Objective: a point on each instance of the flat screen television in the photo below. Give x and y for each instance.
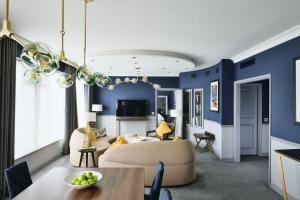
(131, 108)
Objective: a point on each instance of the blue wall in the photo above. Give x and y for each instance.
(224, 72)
(131, 91)
(278, 61)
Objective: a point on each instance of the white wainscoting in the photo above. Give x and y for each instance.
(223, 144)
(264, 140)
(138, 127)
(291, 169)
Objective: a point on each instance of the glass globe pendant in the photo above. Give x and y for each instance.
(102, 81)
(85, 76)
(156, 86)
(32, 76)
(65, 80)
(38, 56)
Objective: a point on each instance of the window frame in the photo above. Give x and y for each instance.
(202, 106)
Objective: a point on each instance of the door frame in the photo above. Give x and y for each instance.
(166, 102)
(237, 106)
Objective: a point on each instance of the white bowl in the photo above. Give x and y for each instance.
(68, 179)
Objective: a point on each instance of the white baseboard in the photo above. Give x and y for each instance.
(223, 144)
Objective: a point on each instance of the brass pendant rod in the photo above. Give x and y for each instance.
(7, 10)
(62, 32)
(84, 49)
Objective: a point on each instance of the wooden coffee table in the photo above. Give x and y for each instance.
(117, 183)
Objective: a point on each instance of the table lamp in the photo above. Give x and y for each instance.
(97, 108)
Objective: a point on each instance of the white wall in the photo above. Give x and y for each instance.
(43, 156)
(291, 169)
(138, 127)
(264, 140)
(223, 144)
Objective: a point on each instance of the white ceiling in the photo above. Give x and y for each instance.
(205, 30)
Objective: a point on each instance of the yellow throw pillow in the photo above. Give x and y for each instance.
(177, 138)
(163, 128)
(119, 141)
(90, 133)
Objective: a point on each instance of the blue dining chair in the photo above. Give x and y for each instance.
(156, 185)
(165, 194)
(17, 178)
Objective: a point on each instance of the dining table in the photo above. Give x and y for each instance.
(116, 183)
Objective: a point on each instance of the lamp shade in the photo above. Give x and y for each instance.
(173, 113)
(97, 107)
(90, 116)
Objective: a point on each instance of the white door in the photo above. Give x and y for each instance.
(179, 109)
(249, 119)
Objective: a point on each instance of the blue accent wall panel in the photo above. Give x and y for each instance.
(278, 61)
(131, 91)
(202, 79)
(227, 91)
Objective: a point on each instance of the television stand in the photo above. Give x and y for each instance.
(120, 119)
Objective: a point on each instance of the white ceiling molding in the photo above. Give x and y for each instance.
(268, 44)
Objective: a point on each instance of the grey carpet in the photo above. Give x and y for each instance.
(216, 180)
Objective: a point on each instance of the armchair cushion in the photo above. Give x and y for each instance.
(163, 128)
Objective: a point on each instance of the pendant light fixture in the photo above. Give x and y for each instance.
(83, 73)
(135, 80)
(65, 80)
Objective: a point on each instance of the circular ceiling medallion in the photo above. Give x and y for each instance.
(150, 63)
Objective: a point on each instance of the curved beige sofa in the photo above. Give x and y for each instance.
(76, 142)
(178, 157)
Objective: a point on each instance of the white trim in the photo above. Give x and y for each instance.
(272, 42)
(166, 102)
(236, 132)
(194, 107)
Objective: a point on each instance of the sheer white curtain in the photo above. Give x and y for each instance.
(80, 104)
(40, 113)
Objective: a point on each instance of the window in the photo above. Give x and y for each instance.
(39, 114)
(187, 107)
(198, 107)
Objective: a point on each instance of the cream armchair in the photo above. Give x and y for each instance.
(76, 142)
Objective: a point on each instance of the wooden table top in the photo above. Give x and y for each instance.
(117, 183)
(293, 154)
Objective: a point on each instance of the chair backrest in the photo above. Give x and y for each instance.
(156, 185)
(17, 178)
(165, 194)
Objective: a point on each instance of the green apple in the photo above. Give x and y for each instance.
(74, 180)
(77, 182)
(89, 175)
(95, 178)
(82, 177)
(91, 181)
(84, 182)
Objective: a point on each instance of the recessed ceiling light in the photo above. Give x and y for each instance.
(169, 72)
(137, 68)
(136, 63)
(163, 68)
(110, 67)
(92, 60)
(177, 61)
(133, 57)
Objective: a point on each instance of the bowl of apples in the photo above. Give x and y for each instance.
(81, 180)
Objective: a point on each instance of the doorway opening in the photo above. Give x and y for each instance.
(252, 114)
(168, 107)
